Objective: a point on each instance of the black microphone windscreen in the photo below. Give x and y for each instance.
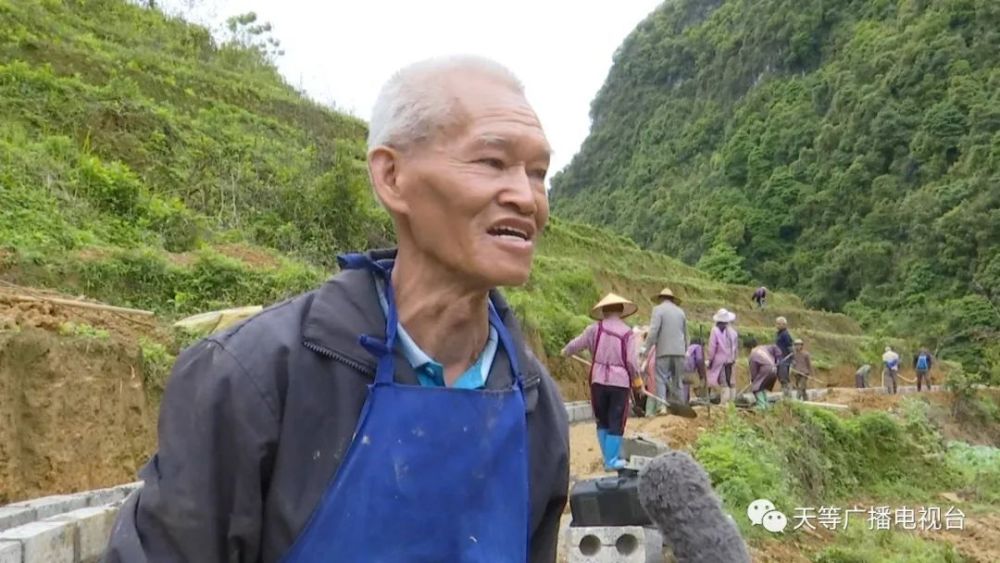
(676, 493)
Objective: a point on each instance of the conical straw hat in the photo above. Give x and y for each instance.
(666, 293)
(612, 299)
(724, 316)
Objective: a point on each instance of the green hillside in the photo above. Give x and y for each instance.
(136, 151)
(146, 165)
(847, 151)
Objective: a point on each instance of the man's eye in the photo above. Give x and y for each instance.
(539, 173)
(492, 162)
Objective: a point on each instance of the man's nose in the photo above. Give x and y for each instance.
(518, 191)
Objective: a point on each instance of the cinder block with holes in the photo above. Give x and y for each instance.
(614, 544)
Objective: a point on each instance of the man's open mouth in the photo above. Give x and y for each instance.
(516, 230)
(507, 232)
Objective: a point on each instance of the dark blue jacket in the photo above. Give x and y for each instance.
(256, 420)
(785, 343)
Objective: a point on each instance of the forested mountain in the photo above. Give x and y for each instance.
(848, 150)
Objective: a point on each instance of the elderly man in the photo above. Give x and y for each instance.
(668, 332)
(395, 413)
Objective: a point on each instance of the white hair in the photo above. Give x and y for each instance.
(415, 103)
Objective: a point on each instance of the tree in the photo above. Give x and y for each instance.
(245, 31)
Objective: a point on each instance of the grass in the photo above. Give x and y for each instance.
(862, 545)
(798, 456)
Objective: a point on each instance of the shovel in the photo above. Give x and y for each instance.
(677, 409)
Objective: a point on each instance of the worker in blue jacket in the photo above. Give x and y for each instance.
(395, 413)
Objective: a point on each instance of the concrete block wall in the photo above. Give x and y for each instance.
(579, 411)
(60, 528)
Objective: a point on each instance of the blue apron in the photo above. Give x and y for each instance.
(433, 474)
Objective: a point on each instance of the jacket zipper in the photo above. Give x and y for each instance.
(340, 358)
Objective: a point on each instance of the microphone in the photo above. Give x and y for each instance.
(676, 493)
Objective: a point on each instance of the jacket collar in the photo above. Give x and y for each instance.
(347, 306)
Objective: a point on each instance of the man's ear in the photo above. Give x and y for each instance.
(383, 168)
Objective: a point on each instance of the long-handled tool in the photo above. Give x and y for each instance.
(812, 377)
(678, 409)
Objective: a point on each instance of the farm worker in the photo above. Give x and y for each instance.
(723, 347)
(648, 369)
(861, 376)
(802, 368)
(396, 412)
(763, 363)
(668, 332)
(694, 367)
(760, 297)
(922, 363)
(890, 369)
(613, 369)
(640, 404)
(783, 340)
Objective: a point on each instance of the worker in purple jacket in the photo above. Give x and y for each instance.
(723, 347)
(694, 367)
(613, 367)
(763, 364)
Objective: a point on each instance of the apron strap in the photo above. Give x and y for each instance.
(508, 346)
(381, 349)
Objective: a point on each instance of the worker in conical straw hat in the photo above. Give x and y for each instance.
(614, 369)
(668, 333)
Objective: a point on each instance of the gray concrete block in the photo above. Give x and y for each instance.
(14, 515)
(642, 445)
(52, 505)
(614, 544)
(104, 497)
(92, 530)
(43, 542)
(578, 411)
(129, 488)
(10, 552)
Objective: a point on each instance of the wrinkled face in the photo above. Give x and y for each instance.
(472, 199)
